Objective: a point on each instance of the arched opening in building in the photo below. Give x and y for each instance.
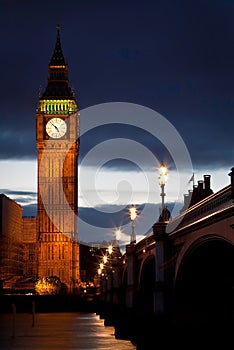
(204, 285)
(145, 298)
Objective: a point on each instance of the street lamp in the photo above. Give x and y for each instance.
(133, 215)
(110, 249)
(118, 235)
(162, 178)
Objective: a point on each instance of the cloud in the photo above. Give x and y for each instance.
(118, 131)
(17, 144)
(161, 57)
(29, 194)
(103, 221)
(30, 210)
(27, 199)
(175, 58)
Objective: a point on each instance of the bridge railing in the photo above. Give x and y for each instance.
(209, 205)
(145, 243)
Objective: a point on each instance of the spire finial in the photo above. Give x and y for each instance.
(58, 29)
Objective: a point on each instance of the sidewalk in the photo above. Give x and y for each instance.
(65, 331)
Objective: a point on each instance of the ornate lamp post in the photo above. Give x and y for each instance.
(133, 215)
(162, 178)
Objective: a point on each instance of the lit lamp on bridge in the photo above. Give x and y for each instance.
(110, 249)
(133, 215)
(118, 236)
(162, 178)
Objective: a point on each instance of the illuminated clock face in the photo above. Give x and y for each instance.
(56, 128)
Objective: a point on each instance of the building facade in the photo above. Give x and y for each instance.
(47, 245)
(30, 248)
(11, 242)
(57, 139)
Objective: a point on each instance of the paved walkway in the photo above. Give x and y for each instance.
(65, 331)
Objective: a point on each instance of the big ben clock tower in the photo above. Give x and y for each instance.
(57, 131)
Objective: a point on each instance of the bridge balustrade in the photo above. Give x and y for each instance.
(207, 206)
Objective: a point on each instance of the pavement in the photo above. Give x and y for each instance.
(64, 330)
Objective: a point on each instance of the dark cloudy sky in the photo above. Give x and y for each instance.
(173, 56)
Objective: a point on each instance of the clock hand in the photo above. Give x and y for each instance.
(55, 126)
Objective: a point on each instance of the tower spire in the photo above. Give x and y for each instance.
(58, 58)
(58, 29)
(58, 83)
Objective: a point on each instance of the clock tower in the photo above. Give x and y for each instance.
(57, 139)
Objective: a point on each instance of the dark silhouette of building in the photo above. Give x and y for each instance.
(200, 191)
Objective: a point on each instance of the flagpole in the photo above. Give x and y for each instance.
(192, 180)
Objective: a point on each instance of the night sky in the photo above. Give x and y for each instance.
(175, 57)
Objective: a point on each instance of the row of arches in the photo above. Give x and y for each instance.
(202, 292)
(57, 106)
